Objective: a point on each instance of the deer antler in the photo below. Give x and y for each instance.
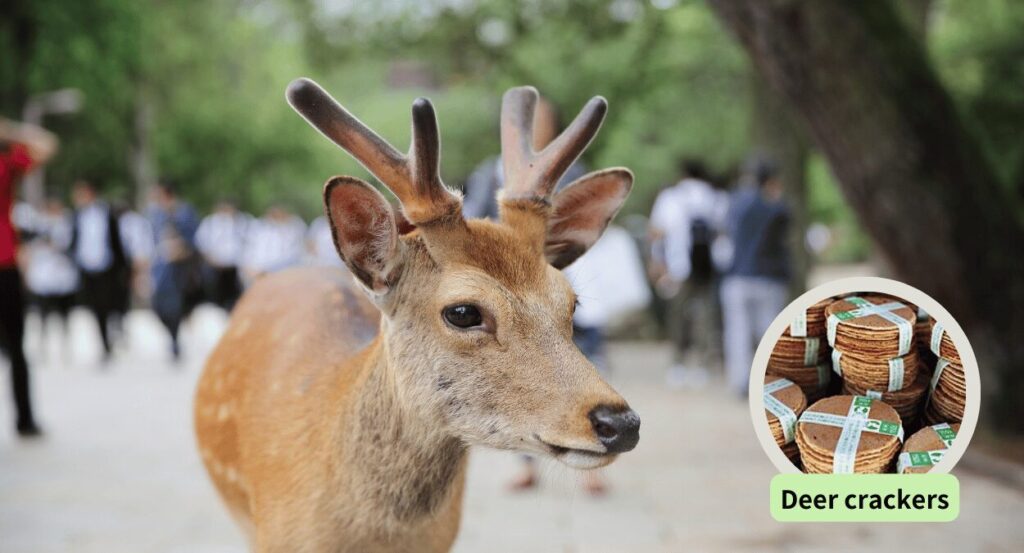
(530, 174)
(414, 178)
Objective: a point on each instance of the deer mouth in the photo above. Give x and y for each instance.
(576, 457)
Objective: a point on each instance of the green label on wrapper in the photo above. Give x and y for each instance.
(946, 434)
(845, 315)
(920, 458)
(865, 497)
(882, 427)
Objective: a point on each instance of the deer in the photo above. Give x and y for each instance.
(336, 412)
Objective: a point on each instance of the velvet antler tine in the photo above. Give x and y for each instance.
(328, 116)
(415, 179)
(517, 111)
(558, 156)
(529, 174)
(425, 150)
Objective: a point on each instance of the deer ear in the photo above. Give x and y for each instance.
(364, 230)
(581, 211)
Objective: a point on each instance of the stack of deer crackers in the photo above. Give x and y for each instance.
(878, 346)
(926, 448)
(801, 354)
(811, 321)
(940, 343)
(849, 434)
(907, 401)
(922, 331)
(784, 401)
(875, 351)
(948, 386)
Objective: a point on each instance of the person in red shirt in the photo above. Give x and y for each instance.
(22, 147)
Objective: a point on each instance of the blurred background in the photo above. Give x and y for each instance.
(881, 137)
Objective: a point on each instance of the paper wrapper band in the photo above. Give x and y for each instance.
(853, 425)
(865, 309)
(786, 416)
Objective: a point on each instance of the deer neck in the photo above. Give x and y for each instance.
(400, 452)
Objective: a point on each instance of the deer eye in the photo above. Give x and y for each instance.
(463, 316)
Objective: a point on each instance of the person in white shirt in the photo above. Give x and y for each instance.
(275, 242)
(50, 276)
(137, 238)
(609, 283)
(221, 241)
(99, 254)
(685, 221)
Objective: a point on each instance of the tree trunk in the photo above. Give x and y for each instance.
(776, 135)
(140, 156)
(916, 14)
(17, 23)
(918, 181)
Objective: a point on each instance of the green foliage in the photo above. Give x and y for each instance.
(978, 48)
(825, 204)
(91, 46)
(676, 83)
(197, 87)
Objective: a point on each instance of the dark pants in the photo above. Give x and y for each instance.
(101, 294)
(58, 304)
(223, 288)
(692, 322)
(177, 289)
(12, 334)
(172, 322)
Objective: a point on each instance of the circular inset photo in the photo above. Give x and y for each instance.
(864, 376)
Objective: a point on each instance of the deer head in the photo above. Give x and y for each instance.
(477, 317)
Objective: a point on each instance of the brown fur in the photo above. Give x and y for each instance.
(324, 437)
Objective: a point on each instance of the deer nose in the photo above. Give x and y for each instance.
(618, 428)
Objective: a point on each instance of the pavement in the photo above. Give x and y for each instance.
(118, 471)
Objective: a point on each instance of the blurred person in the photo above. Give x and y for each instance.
(221, 241)
(22, 147)
(25, 219)
(174, 270)
(321, 244)
(684, 223)
(275, 242)
(99, 254)
(609, 283)
(123, 299)
(50, 275)
(480, 191)
(481, 201)
(138, 241)
(755, 288)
